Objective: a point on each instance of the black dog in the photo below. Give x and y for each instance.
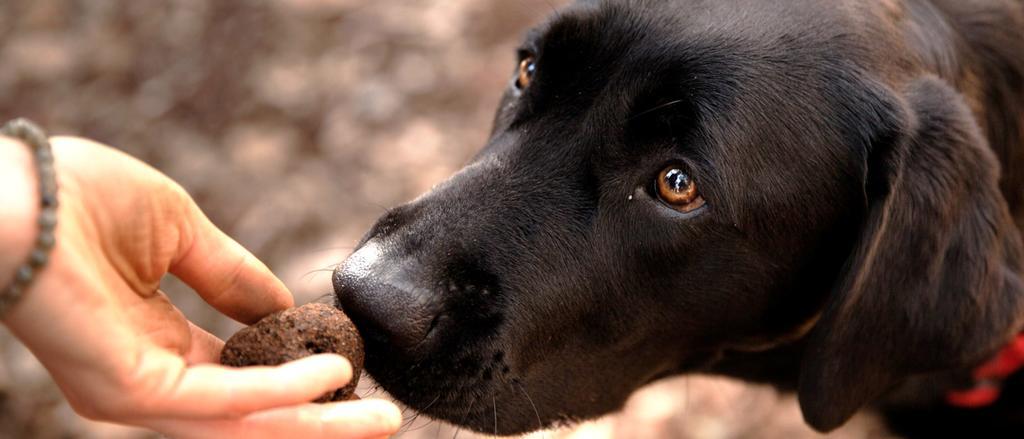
(806, 193)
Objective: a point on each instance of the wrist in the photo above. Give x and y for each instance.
(19, 206)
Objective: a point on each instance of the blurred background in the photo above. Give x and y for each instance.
(294, 123)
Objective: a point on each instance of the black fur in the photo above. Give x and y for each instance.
(858, 244)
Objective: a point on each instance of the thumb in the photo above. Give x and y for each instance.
(225, 274)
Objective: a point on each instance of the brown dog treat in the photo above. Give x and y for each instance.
(295, 333)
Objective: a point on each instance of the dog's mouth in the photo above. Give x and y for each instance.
(437, 350)
(463, 379)
(475, 389)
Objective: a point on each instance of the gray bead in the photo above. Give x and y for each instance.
(48, 186)
(38, 258)
(46, 171)
(48, 218)
(44, 155)
(12, 293)
(24, 274)
(36, 138)
(46, 240)
(49, 200)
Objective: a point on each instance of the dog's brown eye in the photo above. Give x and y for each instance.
(526, 71)
(678, 190)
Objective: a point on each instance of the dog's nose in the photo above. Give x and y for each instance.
(381, 298)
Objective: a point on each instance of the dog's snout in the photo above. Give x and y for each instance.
(381, 296)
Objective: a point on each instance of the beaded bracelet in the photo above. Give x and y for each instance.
(36, 139)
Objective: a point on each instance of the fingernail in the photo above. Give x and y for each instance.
(340, 367)
(379, 413)
(332, 361)
(343, 363)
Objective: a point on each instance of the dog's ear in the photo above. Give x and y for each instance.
(934, 281)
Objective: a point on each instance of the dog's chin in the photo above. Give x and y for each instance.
(473, 389)
(478, 389)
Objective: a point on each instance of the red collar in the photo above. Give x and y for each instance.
(988, 378)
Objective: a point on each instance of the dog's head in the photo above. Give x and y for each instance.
(668, 181)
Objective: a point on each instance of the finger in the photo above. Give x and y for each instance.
(354, 419)
(226, 275)
(214, 391)
(204, 347)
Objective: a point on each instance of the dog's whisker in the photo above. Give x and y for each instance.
(325, 298)
(656, 108)
(406, 422)
(494, 402)
(516, 383)
(407, 425)
(329, 268)
(318, 270)
(425, 425)
(331, 249)
(534, 7)
(554, 9)
(472, 406)
(367, 202)
(540, 424)
(371, 391)
(408, 419)
(436, 398)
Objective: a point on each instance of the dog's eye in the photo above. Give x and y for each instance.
(526, 70)
(678, 190)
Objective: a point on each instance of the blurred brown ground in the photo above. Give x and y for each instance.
(293, 123)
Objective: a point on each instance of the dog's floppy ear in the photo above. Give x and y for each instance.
(934, 281)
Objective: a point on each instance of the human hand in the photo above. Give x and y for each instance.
(121, 352)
